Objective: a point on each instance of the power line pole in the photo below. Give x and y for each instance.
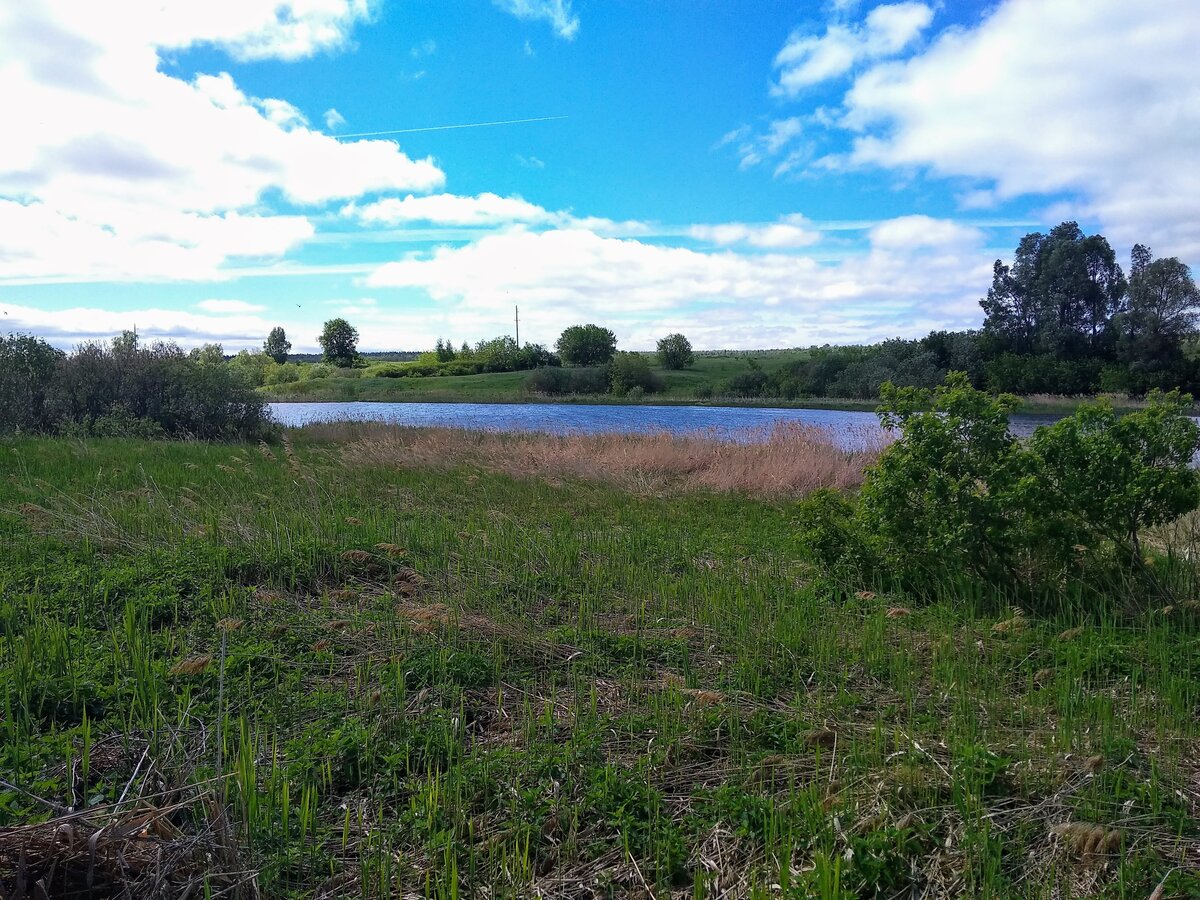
(517, 315)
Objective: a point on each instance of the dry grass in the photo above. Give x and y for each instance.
(787, 460)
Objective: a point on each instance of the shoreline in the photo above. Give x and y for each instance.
(1062, 407)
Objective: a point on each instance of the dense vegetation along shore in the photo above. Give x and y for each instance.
(384, 662)
(355, 386)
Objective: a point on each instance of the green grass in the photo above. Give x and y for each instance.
(555, 687)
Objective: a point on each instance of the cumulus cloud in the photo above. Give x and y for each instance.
(123, 169)
(557, 12)
(562, 275)
(1095, 99)
(67, 327)
(808, 59)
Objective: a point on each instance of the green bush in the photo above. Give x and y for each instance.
(632, 370)
(112, 388)
(957, 495)
(282, 373)
(675, 352)
(27, 367)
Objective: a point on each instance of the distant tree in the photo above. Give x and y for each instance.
(1164, 304)
(586, 345)
(444, 351)
(208, 354)
(27, 367)
(1060, 295)
(339, 343)
(277, 346)
(675, 352)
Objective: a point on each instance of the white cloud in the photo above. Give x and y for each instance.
(1096, 99)
(529, 162)
(67, 327)
(790, 232)
(121, 169)
(754, 148)
(557, 12)
(230, 307)
(808, 59)
(562, 276)
(451, 209)
(333, 119)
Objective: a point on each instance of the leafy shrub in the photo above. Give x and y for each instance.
(548, 381)
(27, 366)
(630, 370)
(637, 392)
(557, 382)
(282, 373)
(704, 392)
(747, 384)
(958, 495)
(319, 371)
(108, 387)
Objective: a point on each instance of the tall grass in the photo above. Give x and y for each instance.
(787, 459)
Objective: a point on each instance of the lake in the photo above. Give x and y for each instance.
(560, 418)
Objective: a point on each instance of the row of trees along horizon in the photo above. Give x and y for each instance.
(1063, 318)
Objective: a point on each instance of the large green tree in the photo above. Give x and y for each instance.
(1164, 305)
(586, 345)
(675, 352)
(277, 346)
(339, 343)
(1060, 295)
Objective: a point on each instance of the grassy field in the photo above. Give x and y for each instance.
(311, 671)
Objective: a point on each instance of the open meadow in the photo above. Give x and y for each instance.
(383, 663)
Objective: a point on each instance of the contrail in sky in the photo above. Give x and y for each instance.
(448, 127)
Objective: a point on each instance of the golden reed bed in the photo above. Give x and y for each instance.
(788, 459)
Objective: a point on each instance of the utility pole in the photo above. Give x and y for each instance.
(517, 314)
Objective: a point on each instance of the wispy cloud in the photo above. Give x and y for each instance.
(557, 12)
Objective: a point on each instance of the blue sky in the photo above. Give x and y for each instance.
(754, 174)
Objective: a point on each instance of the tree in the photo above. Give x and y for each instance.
(675, 352)
(277, 346)
(208, 355)
(444, 351)
(586, 345)
(1163, 302)
(1060, 295)
(339, 343)
(27, 367)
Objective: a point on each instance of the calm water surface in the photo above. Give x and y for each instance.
(562, 418)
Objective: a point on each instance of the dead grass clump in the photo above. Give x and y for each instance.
(141, 853)
(193, 665)
(1088, 841)
(788, 459)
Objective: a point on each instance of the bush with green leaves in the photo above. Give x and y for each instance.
(632, 370)
(958, 495)
(339, 343)
(27, 366)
